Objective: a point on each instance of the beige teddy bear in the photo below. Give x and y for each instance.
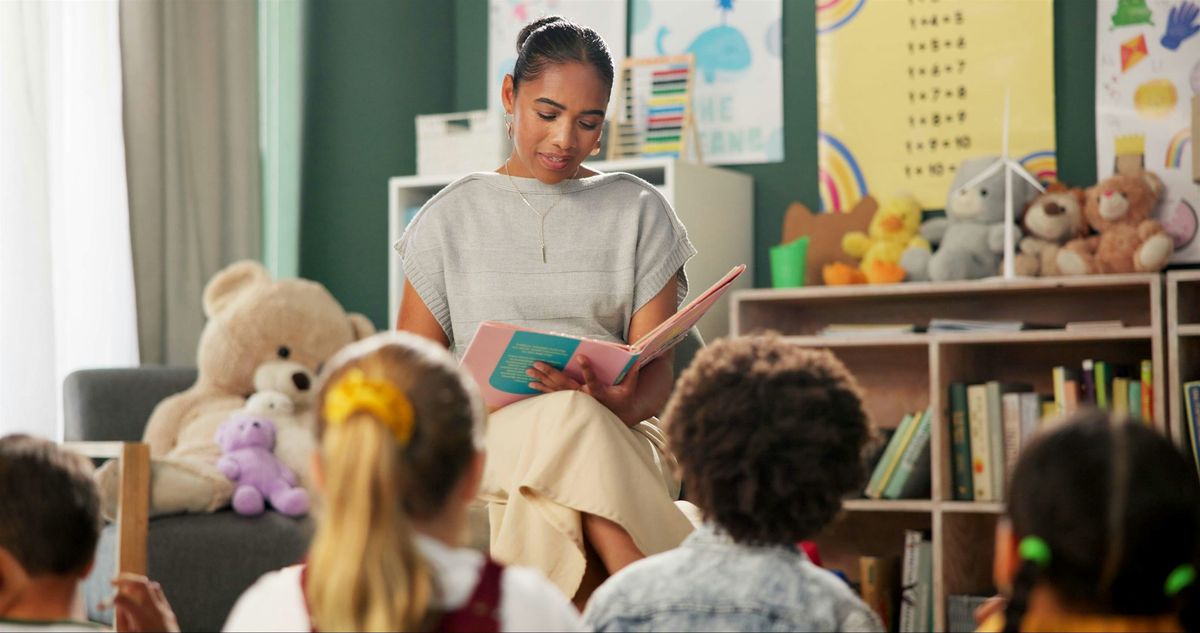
(261, 336)
(1127, 240)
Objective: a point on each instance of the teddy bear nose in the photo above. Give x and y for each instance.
(301, 381)
(1053, 209)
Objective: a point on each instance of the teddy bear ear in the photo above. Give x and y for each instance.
(1152, 182)
(361, 326)
(1055, 187)
(232, 281)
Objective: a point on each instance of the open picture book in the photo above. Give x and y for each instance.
(500, 354)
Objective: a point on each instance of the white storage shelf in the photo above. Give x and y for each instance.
(716, 205)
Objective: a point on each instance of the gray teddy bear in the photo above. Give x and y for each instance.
(969, 241)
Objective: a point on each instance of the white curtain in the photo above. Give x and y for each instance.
(66, 273)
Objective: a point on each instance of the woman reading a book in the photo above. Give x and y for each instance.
(578, 480)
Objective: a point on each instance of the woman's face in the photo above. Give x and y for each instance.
(556, 119)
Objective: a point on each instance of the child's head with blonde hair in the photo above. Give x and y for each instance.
(401, 447)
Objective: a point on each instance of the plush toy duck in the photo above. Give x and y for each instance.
(893, 228)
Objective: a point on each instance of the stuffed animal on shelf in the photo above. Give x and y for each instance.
(248, 459)
(1052, 219)
(893, 229)
(262, 334)
(1127, 240)
(970, 239)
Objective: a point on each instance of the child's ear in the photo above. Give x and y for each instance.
(1006, 560)
(13, 581)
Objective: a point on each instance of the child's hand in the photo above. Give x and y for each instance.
(141, 605)
(994, 605)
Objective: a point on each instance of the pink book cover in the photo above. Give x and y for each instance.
(499, 355)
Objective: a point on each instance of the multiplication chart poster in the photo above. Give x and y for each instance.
(907, 89)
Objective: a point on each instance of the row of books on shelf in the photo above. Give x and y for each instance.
(989, 422)
(902, 470)
(900, 589)
(1126, 390)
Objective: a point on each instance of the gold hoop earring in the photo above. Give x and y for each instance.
(508, 124)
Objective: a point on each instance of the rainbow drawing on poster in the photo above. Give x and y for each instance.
(1043, 165)
(1176, 148)
(842, 183)
(834, 14)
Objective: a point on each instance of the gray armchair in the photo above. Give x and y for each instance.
(203, 561)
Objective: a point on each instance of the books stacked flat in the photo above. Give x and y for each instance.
(866, 330)
(965, 325)
(902, 472)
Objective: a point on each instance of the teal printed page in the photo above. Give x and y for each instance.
(523, 350)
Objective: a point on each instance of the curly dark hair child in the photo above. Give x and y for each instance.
(1105, 515)
(768, 436)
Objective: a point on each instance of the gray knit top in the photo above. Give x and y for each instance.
(612, 242)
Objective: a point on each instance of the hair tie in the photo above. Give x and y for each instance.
(355, 393)
(1180, 578)
(1035, 549)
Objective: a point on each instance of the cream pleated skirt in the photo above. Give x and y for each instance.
(553, 457)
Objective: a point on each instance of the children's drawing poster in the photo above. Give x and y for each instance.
(1147, 69)
(738, 90)
(506, 18)
(907, 89)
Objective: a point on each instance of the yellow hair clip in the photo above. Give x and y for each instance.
(356, 393)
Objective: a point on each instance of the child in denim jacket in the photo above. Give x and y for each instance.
(768, 437)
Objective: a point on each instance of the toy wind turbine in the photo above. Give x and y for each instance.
(1010, 167)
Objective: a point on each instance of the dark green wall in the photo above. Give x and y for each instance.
(370, 67)
(775, 185)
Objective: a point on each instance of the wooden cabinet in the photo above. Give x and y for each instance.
(905, 372)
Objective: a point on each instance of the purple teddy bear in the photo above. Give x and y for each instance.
(248, 442)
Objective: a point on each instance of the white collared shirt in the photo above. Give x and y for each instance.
(528, 602)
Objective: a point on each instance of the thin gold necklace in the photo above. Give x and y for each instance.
(541, 214)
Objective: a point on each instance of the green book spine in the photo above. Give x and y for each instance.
(1135, 400)
(960, 437)
(887, 463)
(1103, 376)
(908, 461)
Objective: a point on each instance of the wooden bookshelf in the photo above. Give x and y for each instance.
(1183, 346)
(905, 372)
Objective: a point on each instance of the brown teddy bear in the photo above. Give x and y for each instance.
(1052, 219)
(260, 335)
(1127, 240)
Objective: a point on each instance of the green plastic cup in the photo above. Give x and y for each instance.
(788, 263)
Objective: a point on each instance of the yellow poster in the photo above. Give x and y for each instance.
(907, 89)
